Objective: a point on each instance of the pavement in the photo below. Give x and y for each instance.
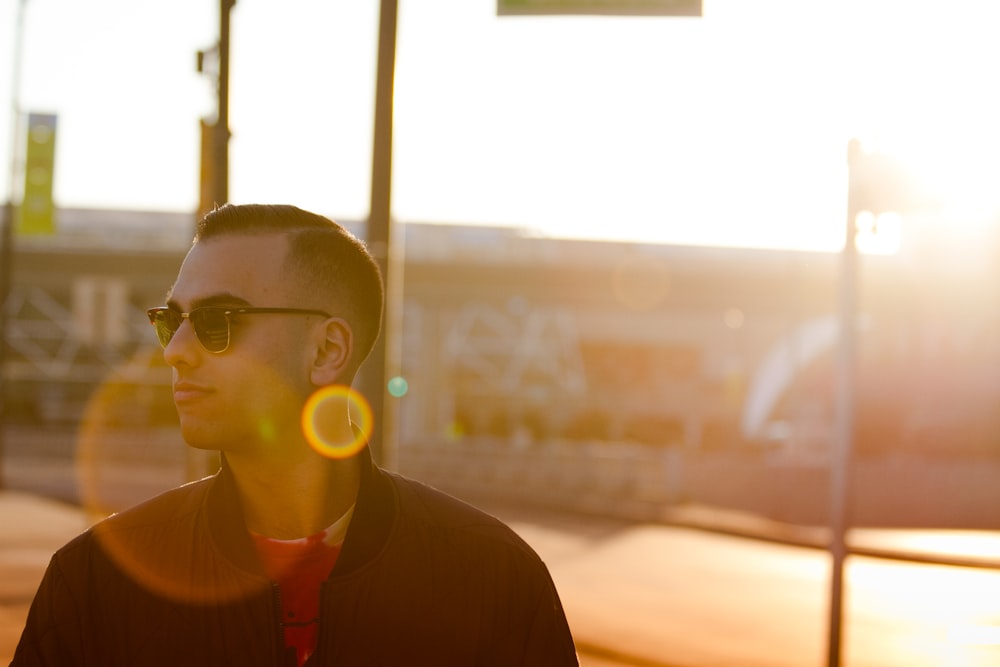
(33, 527)
(717, 588)
(692, 591)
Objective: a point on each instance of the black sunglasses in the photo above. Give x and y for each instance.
(212, 324)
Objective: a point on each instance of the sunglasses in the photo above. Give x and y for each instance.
(212, 324)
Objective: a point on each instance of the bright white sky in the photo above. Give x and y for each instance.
(728, 129)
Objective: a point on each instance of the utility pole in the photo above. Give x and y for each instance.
(378, 234)
(877, 184)
(221, 135)
(214, 187)
(7, 231)
(845, 406)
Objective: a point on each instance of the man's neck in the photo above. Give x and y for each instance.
(293, 499)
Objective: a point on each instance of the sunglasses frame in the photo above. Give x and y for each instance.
(156, 318)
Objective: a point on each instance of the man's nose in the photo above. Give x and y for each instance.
(183, 346)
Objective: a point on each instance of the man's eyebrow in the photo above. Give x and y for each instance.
(221, 299)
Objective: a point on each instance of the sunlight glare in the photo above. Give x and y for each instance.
(882, 235)
(923, 95)
(975, 634)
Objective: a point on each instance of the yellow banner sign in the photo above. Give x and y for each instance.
(37, 211)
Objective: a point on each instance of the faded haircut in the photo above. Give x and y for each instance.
(322, 253)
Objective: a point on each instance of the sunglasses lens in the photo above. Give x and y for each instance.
(165, 322)
(212, 328)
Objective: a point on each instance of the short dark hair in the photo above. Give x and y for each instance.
(325, 255)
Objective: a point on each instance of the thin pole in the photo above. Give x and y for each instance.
(378, 234)
(7, 233)
(220, 134)
(845, 406)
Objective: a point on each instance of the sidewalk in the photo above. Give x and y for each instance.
(697, 593)
(33, 527)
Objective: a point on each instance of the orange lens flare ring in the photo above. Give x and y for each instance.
(323, 421)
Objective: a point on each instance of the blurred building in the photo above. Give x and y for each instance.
(511, 338)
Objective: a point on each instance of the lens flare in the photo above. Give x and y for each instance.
(323, 421)
(117, 462)
(267, 430)
(398, 386)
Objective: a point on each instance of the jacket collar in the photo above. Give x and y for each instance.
(374, 517)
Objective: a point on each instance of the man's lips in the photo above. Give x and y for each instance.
(185, 392)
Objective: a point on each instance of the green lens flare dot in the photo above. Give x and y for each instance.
(398, 386)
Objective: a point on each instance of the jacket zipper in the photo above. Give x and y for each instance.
(279, 646)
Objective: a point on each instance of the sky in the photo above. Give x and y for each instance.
(728, 129)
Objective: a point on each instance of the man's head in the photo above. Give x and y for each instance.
(323, 258)
(270, 303)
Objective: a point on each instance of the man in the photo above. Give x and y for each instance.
(294, 552)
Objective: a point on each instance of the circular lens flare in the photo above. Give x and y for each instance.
(117, 463)
(398, 386)
(323, 421)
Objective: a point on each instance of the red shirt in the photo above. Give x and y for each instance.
(299, 567)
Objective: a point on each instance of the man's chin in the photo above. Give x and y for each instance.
(199, 438)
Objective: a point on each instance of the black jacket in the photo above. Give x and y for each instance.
(422, 579)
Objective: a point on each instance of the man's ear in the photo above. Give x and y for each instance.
(333, 353)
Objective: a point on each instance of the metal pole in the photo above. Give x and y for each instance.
(845, 406)
(7, 232)
(220, 133)
(379, 224)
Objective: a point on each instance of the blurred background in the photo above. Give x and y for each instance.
(619, 277)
